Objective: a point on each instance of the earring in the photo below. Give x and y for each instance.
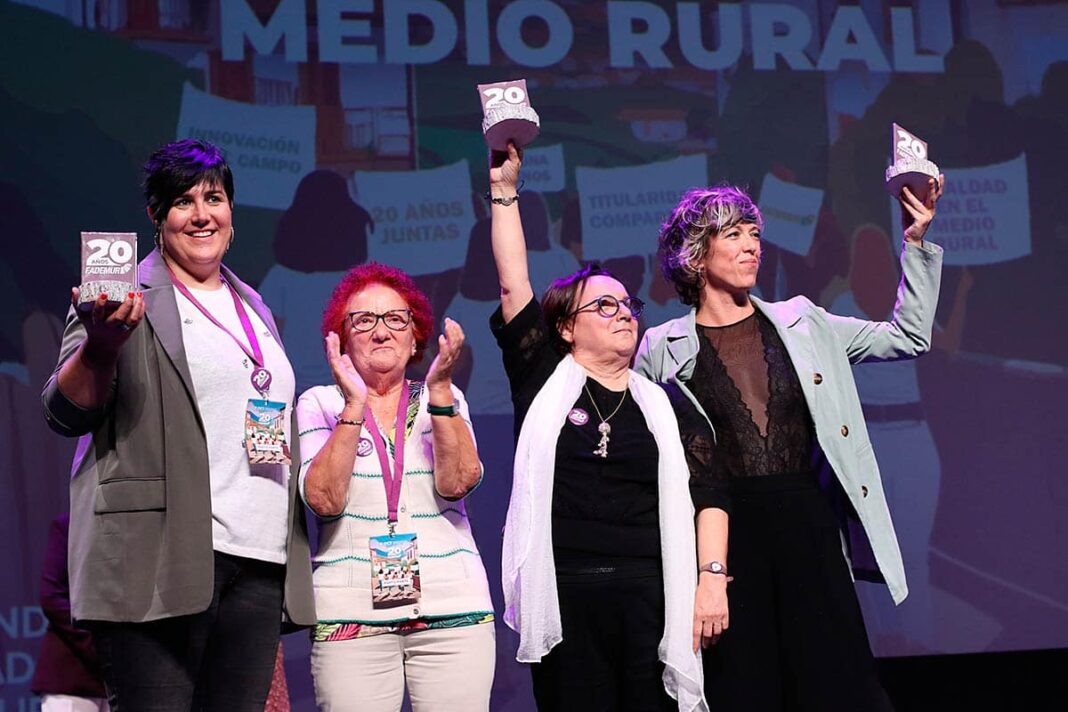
(233, 231)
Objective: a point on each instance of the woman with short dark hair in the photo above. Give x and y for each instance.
(600, 555)
(188, 546)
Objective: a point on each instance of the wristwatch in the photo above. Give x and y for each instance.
(449, 410)
(713, 567)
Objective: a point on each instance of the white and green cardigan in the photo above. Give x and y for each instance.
(452, 577)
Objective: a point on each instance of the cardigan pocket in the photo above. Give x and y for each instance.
(131, 495)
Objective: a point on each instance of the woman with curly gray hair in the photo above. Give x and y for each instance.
(774, 381)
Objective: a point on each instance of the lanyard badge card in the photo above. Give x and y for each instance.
(265, 435)
(394, 556)
(394, 570)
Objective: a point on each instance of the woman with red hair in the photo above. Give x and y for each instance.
(401, 593)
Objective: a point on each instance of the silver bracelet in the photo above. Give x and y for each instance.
(346, 421)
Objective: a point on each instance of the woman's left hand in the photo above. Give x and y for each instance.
(450, 344)
(710, 611)
(917, 215)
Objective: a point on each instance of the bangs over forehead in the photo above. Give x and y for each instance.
(710, 211)
(178, 167)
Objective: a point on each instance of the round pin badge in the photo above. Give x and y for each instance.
(364, 448)
(578, 416)
(261, 379)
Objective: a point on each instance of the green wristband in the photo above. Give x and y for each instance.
(449, 410)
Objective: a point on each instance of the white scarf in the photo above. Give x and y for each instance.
(531, 602)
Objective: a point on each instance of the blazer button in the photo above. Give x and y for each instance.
(863, 490)
(845, 431)
(817, 378)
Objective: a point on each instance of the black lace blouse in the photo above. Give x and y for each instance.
(746, 383)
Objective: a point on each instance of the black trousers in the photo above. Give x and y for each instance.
(608, 659)
(219, 659)
(796, 639)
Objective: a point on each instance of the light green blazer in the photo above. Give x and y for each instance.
(823, 347)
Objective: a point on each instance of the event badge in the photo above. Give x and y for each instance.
(394, 557)
(265, 435)
(394, 570)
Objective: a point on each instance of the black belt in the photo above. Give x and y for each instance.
(893, 412)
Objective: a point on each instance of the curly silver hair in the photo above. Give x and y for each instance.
(683, 244)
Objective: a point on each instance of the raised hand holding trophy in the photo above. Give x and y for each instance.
(507, 114)
(911, 166)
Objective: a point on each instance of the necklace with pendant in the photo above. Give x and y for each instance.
(604, 428)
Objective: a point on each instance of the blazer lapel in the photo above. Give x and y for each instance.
(794, 328)
(682, 346)
(161, 311)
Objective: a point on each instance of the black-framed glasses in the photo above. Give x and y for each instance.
(608, 306)
(394, 319)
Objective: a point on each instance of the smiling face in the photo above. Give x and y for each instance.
(733, 259)
(380, 350)
(594, 335)
(197, 230)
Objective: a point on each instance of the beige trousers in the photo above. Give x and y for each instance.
(446, 670)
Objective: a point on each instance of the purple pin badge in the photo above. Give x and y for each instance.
(261, 379)
(578, 417)
(363, 449)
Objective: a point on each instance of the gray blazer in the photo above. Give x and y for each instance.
(822, 347)
(141, 543)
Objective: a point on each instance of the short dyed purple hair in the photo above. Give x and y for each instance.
(180, 165)
(684, 240)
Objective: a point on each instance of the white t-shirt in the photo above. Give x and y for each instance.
(249, 503)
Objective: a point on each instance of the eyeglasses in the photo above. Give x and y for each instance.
(395, 320)
(608, 306)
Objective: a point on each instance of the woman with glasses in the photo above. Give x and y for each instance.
(400, 591)
(600, 558)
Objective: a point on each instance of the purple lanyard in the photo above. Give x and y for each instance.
(261, 377)
(391, 480)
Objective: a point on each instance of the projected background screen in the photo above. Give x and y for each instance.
(353, 129)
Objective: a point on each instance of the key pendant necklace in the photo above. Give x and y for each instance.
(604, 428)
